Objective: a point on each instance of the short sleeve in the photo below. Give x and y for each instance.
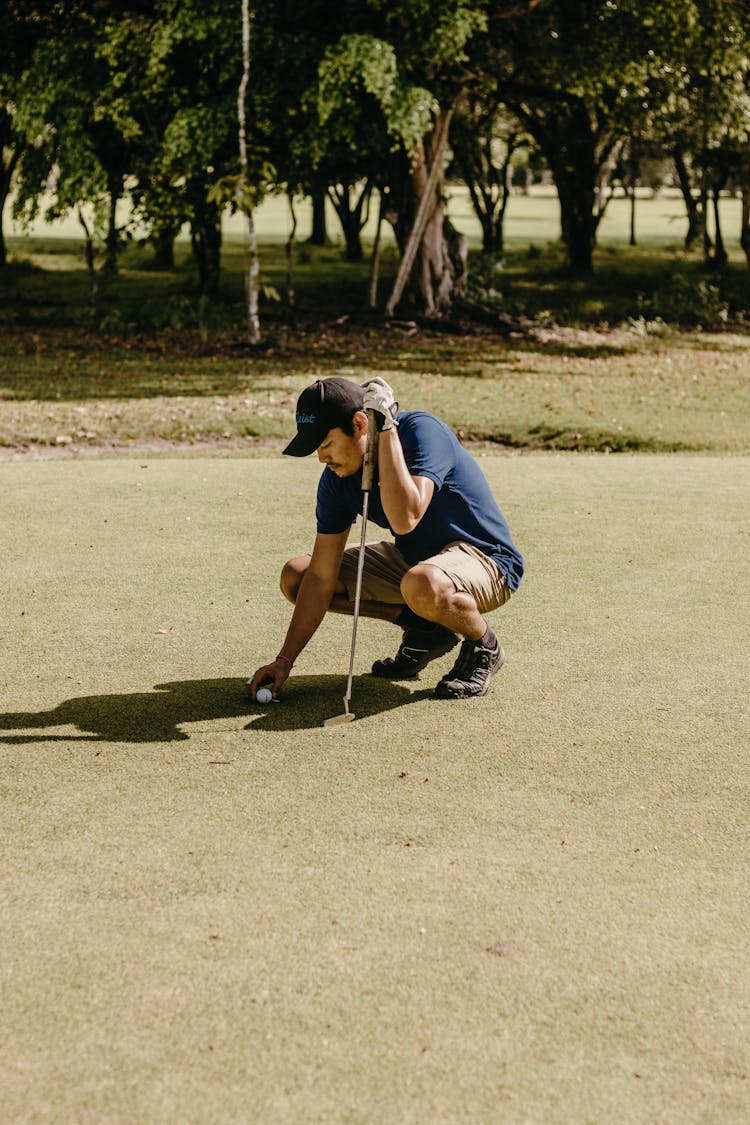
(333, 512)
(427, 446)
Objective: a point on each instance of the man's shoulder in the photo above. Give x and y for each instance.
(421, 422)
(416, 417)
(430, 448)
(420, 428)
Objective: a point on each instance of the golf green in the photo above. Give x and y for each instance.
(525, 908)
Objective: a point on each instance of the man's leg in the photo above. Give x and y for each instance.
(381, 599)
(294, 571)
(429, 592)
(449, 590)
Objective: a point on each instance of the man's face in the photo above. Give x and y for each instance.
(341, 453)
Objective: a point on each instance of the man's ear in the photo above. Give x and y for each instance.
(360, 423)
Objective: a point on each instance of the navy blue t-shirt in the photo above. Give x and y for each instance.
(462, 506)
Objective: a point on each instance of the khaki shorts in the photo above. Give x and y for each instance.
(468, 569)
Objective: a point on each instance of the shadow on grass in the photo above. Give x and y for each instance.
(158, 715)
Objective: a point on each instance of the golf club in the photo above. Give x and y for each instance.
(368, 475)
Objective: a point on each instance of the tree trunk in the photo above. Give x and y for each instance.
(456, 246)
(289, 252)
(696, 217)
(319, 236)
(482, 204)
(631, 192)
(605, 164)
(633, 164)
(720, 255)
(498, 247)
(372, 288)
(112, 240)
(206, 243)
(745, 215)
(6, 178)
(349, 201)
(425, 252)
(707, 246)
(245, 205)
(575, 190)
(3, 250)
(569, 146)
(162, 240)
(489, 190)
(89, 254)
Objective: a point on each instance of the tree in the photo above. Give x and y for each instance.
(197, 55)
(744, 170)
(742, 14)
(705, 119)
(80, 96)
(484, 140)
(23, 25)
(358, 102)
(433, 46)
(417, 60)
(289, 40)
(577, 73)
(244, 188)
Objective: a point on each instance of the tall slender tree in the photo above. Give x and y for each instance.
(24, 24)
(244, 197)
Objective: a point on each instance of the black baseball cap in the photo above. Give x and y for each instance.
(323, 406)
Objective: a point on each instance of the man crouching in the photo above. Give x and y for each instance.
(451, 560)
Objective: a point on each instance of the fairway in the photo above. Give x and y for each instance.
(526, 908)
(533, 219)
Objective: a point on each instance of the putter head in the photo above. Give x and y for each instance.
(337, 720)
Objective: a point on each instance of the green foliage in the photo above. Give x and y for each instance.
(699, 75)
(81, 99)
(105, 100)
(692, 301)
(585, 78)
(361, 60)
(448, 46)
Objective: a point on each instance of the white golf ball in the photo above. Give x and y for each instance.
(263, 695)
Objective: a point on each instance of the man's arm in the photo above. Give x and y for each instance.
(316, 589)
(405, 498)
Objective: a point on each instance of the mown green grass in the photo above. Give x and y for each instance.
(531, 220)
(571, 363)
(49, 286)
(530, 908)
(565, 389)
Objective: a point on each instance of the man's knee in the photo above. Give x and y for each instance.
(292, 574)
(424, 589)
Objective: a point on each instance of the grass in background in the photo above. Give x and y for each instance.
(528, 908)
(592, 363)
(565, 389)
(628, 282)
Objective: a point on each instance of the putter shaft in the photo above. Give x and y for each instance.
(368, 474)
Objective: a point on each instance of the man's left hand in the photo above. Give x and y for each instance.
(380, 398)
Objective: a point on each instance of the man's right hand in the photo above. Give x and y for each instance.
(270, 675)
(379, 397)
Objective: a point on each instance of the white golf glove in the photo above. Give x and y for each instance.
(379, 397)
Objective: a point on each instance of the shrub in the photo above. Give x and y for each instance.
(690, 301)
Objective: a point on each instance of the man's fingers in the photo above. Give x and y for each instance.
(270, 675)
(262, 677)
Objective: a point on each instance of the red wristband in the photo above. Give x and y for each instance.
(281, 656)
